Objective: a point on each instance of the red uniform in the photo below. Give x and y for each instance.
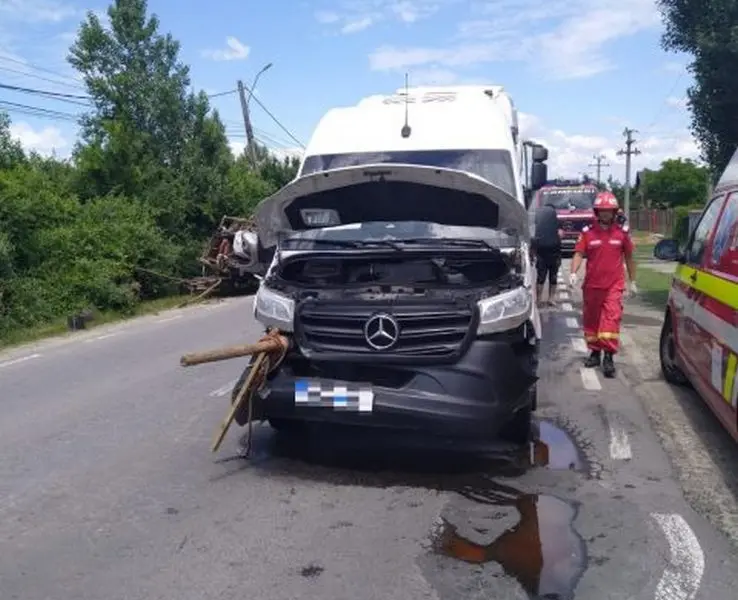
(604, 283)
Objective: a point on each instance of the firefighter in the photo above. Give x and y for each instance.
(604, 243)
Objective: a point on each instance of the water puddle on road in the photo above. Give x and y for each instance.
(542, 551)
(555, 449)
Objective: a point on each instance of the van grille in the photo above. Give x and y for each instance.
(424, 330)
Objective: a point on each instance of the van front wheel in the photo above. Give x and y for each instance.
(668, 357)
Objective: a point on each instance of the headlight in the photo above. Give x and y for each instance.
(275, 310)
(505, 311)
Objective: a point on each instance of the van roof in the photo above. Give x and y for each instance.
(440, 118)
(729, 176)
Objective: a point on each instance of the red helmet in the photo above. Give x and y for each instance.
(605, 201)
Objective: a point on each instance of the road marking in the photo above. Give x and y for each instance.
(17, 361)
(572, 323)
(563, 295)
(223, 390)
(619, 444)
(567, 307)
(167, 319)
(101, 337)
(579, 345)
(683, 575)
(590, 380)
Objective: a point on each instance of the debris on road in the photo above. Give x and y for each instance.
(266, 355)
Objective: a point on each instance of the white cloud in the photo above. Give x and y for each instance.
(570, 154)
(564, 39)
(36, 11)
(237, 148)
(353, 16)
(357, 25)
(679, 102)
(235, 51)
(45, 141)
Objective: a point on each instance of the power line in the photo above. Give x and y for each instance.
(273, 118)
(70, 98)
(661, 107)
(37, 68)
(37, 111)
(228, 93)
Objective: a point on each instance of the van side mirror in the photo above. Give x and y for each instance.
(538, 175)
(539, 153)
(667, 250)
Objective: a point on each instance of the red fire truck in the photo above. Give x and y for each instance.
(573, 203)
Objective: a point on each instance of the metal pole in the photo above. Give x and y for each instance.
(628, 152)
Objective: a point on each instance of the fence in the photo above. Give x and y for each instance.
(653, 220)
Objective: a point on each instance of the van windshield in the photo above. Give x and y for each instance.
(493, 165)
(568, 199)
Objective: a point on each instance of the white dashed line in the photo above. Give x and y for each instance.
(167, 319)
(619, 444)
(566, 306)
(17, 361)
(101, 337)
(590, 380)
(683, 575)
(579, 345)
(563, 295)
(224, 390)
(572, 323)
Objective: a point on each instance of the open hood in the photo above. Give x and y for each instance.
(389, 192)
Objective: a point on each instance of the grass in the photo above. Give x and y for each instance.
(653, 287)
(33, 334)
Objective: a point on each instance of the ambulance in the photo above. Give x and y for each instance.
(699, 337)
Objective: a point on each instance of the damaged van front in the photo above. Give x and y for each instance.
(406, 292)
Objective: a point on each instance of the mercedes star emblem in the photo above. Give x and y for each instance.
(382, 331)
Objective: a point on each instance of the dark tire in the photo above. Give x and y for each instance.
(520, 428)
(667, 355)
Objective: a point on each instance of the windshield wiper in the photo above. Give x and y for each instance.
(347, 243)
(447, 241)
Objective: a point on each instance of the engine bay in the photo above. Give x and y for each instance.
(411, 270)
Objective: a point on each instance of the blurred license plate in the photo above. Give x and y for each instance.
(339, 395)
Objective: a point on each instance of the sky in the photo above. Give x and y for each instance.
(579, 71)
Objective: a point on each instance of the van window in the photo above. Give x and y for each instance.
(568, 199)
(724, 255)
(493, 165)
(700, 237)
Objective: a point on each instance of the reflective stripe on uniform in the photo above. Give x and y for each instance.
(715, 287)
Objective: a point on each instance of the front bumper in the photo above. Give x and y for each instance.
(478, 395)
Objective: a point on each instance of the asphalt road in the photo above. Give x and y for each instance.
(108, 488)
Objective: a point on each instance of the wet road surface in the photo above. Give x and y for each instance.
(108, 489)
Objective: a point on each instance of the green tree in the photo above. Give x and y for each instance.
(706, 30)
(148, 136)
(678, 182)
(11, 153)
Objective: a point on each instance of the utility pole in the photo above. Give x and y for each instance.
(599, 164)
(628, 151)
(247, 121)
(245, 102)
